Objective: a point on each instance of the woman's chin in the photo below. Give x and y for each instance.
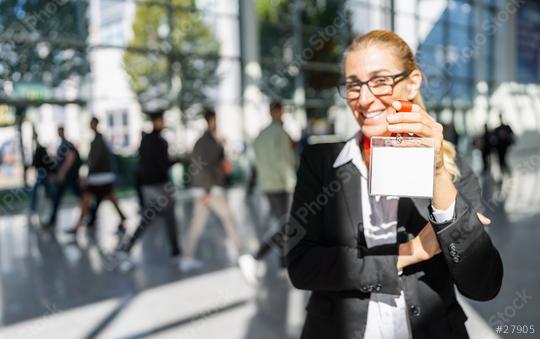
(375, 130)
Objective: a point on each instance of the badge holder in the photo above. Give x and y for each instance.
(402, 166)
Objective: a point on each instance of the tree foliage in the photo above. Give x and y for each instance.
(42, 42)
(325, 30)
(169, 45)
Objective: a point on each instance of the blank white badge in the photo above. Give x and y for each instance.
(402, 167)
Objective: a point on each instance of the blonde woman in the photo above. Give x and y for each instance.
(386, 267)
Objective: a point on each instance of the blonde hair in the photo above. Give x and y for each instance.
(404, 53)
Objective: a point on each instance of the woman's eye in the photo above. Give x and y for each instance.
(379, 81)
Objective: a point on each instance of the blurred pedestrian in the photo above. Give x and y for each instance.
(252, 177)
(208, 180)
(137, 182)
(276, 166)
(484, 143)
(66, 167)
(504, 138)
(42, 164)
(100, 181)
(157, 190)
(450, 134)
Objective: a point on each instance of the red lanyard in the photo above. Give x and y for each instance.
(406, 106)
(366, 146)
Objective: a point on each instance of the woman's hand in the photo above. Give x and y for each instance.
(423, 247)
(418, 122)
(483, 219)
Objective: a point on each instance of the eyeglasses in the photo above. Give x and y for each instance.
(379, 85)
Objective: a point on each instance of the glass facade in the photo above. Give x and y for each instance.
(454, 42)
(193, 53)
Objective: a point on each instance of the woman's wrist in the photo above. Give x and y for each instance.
(440, 171)
(444, 190)
(405, 255)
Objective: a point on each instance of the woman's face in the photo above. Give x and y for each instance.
(370, 111)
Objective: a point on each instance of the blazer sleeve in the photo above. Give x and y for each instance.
(314, 264)
(473, 260)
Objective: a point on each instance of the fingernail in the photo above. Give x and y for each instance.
(393, 127)
(392, 117)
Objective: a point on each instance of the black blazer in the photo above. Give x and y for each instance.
(326, 253)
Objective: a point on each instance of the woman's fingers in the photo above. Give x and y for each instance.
(417, 121)
(398, 106)
(483, 219)
(416, 128)
(409, 117)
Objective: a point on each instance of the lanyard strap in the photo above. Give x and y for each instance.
(406, 106)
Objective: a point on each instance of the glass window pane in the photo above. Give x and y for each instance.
(459, 62)
(432, 33)
(459, 13)
(488, 52)
(430, 60)
(461, 91)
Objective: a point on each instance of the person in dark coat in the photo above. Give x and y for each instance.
(504, 138)
(100, 181)
(66, 167)
(157, 191)
(208, 172)
(383, 266)
(42, 163)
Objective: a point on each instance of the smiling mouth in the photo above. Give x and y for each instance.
(372, 115)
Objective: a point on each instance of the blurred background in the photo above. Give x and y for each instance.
(63, 62)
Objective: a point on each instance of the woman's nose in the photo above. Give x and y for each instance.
(366, 97)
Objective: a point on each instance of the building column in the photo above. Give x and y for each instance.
(228, 105)
(255, 109)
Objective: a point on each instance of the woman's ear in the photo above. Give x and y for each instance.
(415, 81)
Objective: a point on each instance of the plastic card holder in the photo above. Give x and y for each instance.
(402, 167)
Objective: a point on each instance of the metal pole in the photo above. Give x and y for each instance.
(392, 15)
(299, 93)
(241, 26)
(19, 116)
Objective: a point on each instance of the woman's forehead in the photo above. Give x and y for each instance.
(371, 61)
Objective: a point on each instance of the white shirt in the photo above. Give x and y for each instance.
(387, 314)
(101, 178)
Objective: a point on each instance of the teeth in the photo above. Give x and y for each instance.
(372, 114)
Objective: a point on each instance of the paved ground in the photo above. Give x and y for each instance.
(54, 286)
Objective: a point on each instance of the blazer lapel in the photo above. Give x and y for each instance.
(404, 211)
(352, 191)
(422, 205)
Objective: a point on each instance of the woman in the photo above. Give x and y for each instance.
(386, 267)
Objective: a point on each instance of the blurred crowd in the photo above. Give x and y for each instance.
(496, 141)
(273, 171)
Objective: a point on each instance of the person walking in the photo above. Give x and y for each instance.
(42, 164)
(157, 191)
(208, 181)
(504, 138)
(65, 175)
(276, 167)
(485, 143)
(100, 181)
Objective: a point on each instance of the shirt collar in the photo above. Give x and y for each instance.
(351, 153)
